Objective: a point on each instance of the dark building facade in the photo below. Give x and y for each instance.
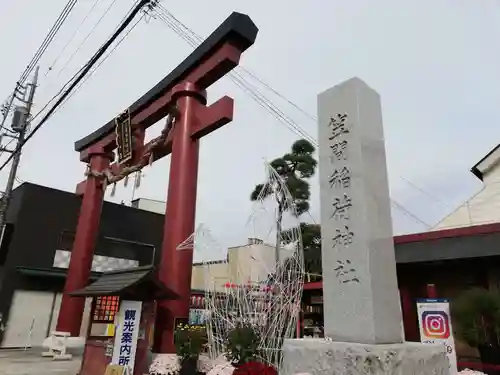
(36, 248)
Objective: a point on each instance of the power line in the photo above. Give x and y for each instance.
(91, 74)
(86, 38)
(175, 20)
(72, 37)
(410, 214)
(19, 124)
(5, 148)
(137, 8)
(431, 196)
(194, 40)
(37, 56)
(48, 39)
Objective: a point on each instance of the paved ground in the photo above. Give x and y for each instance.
(19, 362)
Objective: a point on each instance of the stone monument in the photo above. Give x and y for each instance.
(362, 311)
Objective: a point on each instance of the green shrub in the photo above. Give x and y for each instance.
(476, 317)
(242, 344)
(189, 341)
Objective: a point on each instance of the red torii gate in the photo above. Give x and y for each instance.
(180, 95)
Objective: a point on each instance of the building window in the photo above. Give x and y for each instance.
(112, 247)
(106, 308)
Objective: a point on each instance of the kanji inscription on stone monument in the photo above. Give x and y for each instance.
(361, 300)
(362, 311)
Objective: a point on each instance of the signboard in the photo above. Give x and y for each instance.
(124, 137)
(109, 349)
(435, 327)
(116, 370)
(126, 334)
(198, 317)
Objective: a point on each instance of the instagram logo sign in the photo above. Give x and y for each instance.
(436, 324)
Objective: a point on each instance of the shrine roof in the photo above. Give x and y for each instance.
(138, 283)
(238, 29)
(487, 162)
(50, 272)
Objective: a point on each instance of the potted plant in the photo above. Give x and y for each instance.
(189, 343)
(242, 350)
(476, 315)
(255, 368)
(242, 344)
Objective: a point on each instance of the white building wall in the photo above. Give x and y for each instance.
(29, 319)
(251, 262)
(247, 263)
(219, 272)
(481, 208)
(150, 205)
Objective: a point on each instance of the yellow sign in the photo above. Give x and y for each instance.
(115, 370)
(110, 330)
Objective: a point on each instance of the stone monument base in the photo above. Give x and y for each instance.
(322, 357)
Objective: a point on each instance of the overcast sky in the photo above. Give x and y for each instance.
(434, 63)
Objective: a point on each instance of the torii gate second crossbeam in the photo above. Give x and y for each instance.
(180, 95)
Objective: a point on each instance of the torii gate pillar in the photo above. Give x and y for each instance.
(181, 94)
(176, 265)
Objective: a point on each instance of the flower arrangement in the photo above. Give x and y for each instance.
(165, 364)
(189, 340)
(243, 352)
(222, 370)
(255, 368)
(242, 344)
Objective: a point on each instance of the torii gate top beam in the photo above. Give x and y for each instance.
(224, 46)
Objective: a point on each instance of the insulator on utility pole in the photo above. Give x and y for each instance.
(19, 119)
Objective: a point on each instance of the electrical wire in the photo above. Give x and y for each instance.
(4, 148)
(37, 56)
(48, 39)
(86, 38)
(193, 39)
(82, 73)
(90, 74)
(181, 25)
(72, 37)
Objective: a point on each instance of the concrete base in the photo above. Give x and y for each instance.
(74, 345)
(322, 357)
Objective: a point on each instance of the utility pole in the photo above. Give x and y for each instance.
(6, 109)
(20, 123)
